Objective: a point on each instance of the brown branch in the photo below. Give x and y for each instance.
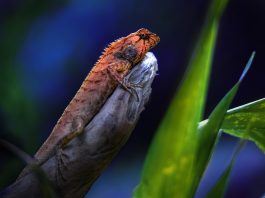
(86, 156)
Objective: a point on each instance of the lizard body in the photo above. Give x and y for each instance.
(109, 71)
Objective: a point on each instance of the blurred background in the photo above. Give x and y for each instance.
(47, 47)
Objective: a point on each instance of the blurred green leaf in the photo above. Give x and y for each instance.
(209, 130)
(247, 122)
(218, 190)
(19, 111)
(169, 166)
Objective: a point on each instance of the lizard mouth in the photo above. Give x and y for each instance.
(154, 40)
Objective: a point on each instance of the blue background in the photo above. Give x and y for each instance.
(48, 47)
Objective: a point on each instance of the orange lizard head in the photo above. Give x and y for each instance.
(136, 45)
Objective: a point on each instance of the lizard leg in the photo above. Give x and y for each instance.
(66, 139)
(77, 124)
(61, 156)
(128, 86)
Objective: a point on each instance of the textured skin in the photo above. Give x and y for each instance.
(109, 71)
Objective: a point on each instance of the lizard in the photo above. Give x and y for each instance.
(108, 72)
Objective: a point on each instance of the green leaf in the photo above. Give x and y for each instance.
(218, 190)
(169, 166)
(208, 130)
(247, 122)
(209, 134)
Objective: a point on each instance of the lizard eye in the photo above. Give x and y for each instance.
(144, 36)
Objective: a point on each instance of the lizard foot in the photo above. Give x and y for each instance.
(60, 164)
(131, 88)
(128, 86)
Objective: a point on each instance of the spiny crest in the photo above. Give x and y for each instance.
(112, 44)
(109, 48)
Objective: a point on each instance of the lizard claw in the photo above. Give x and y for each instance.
(128, 86)
(131, 88)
